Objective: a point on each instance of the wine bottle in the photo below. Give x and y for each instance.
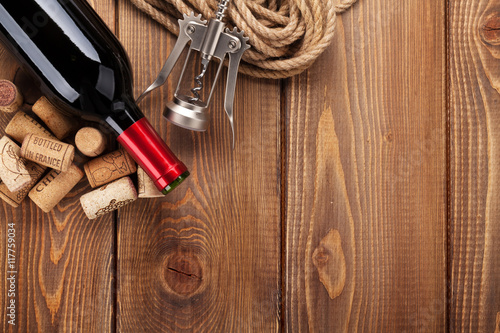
(83, 69)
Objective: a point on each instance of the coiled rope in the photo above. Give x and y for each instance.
(287, 36)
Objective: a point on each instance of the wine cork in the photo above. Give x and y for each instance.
(13, 171)
(15, 198)
(54, 187)
(108, 198)
(49, 152)
(146, 188)
(22, 125)
(90, 141)
(53, 117)
(11, 98)
(105, 169)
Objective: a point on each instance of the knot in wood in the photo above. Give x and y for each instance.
(490, 31)
(183, 273)
(320, 257)
(329, 260)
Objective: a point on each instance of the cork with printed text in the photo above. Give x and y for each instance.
(48, 152)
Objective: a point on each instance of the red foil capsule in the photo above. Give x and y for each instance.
(148, 149)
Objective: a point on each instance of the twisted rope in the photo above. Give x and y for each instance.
(286, 36)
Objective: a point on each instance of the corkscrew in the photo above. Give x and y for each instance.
(211, 40)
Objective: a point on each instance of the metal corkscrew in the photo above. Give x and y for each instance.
(211, 40)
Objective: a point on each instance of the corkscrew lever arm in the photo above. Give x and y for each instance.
(185, 26)
(167, 67)
(232, 75)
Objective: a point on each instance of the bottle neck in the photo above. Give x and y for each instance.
(149, 150)
(124, 114)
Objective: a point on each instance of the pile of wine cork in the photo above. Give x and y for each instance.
(44, 160)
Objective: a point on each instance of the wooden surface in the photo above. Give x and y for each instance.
(361, 196)
(207, 257)
(366, 157)
(474, 122)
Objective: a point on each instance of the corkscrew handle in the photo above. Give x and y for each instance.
(212, 41)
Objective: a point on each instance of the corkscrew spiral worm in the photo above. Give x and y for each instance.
(199, 84)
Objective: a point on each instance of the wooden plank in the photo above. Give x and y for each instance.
(64, 263)
(474, 76)
(208, 256)
(366, 175)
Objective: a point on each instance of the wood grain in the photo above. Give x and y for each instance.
(362, 194)
(365, 155)
(65, 264)
(207, 257)
(474, 75)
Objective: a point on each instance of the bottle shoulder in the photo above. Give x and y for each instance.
(70, 49)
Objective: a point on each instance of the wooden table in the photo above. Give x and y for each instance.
(362, 195)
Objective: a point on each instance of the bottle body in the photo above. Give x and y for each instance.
(83, 68)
